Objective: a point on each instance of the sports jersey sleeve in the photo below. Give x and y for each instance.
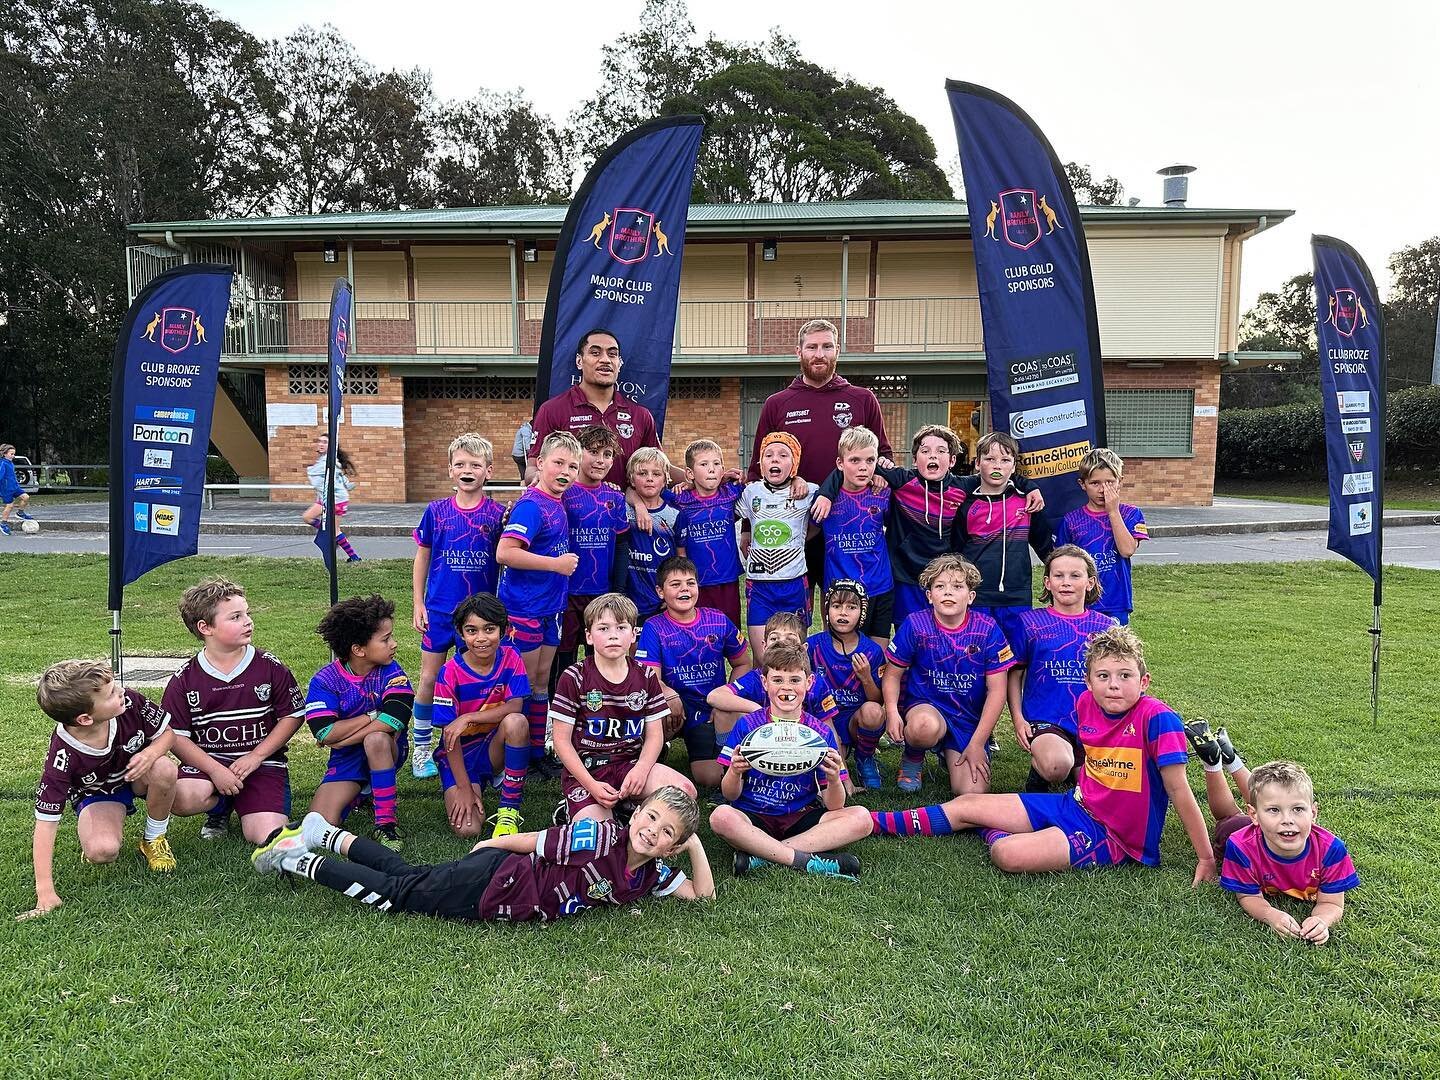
(322, 706)
(655, 706)
(822, 703)
(827, 732)
(736, 736)
(578, 842)
(1062, 532)
(425, 531)
(565, 701)
(998, 654)
(1337, 871)
(442, 707)
(619, 518)
(1237, 873)
(285, 692)
(747, 686)
(173, 702)
(667, 879)
(153, 718)
(54, 786)
(733, 645)
(1165, 738)
(524, 523)
(901, 650)
(1135, 522)
(517, 680)
(647, 649)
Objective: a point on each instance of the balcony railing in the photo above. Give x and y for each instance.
(704, 327)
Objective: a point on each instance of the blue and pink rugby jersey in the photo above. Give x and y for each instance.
(777, 795)
(947, 668)
(1252, 869)
(462, 551)
(705, 528)
(1091, 531)
(597, 516)
(855, 540)
(538, 520)
(691, 656)
(1051, 648)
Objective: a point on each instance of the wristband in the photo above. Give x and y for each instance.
(391, 722)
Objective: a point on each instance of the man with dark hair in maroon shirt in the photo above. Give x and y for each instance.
(815, 408)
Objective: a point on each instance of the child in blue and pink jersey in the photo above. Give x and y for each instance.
(1283, 853)
(480, 710)
(599, 527)
(995, 529)
(1049, 673)
(1134, 768)
(454, 559)
(647, 470)
(854, 531)
(944, 680)
(689, 645)
(535, 553)
(745, 693)
(853, 665)
(705, 527)
(358, 706)
(1107, 528)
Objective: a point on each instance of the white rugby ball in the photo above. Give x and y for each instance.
(30, 527)
(783, 748)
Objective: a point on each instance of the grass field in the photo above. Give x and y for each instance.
(936, 965)
(1401, 493)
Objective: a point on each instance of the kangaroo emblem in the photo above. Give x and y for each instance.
(154, 323)
(1050, 218)
(599, 230)
(1360, 310)
(199, 331)
(1330, 318)
(662, 242)
(990, 220)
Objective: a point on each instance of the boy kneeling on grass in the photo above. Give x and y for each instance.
(538, 875)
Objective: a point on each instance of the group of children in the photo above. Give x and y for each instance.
(929, 633)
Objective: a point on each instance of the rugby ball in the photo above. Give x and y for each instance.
(783, 748)
(30, 528)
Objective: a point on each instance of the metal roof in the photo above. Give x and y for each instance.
(705, 219)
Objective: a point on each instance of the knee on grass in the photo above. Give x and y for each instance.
(100, 849)
(726, 821)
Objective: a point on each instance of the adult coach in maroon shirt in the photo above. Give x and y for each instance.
(595, 401)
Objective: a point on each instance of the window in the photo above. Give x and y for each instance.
(313, 380)
(469, 388)
(1150, 423)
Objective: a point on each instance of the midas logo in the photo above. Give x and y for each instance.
(1116, 767)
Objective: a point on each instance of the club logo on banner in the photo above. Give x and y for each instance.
(1347, 313)
(617, 264)
(1037, 301)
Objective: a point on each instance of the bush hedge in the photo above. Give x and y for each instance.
(1289, 440)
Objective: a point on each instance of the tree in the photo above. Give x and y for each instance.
(1410, 314)
(1280, 321)
(1090, 191)
(392, 141)
(495, 148)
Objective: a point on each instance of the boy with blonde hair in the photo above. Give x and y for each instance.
(647, 470)
(705, 526)
(110, 745)
(854, 531)
(454, 559)
(1108, 529)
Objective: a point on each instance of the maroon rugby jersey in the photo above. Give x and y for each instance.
(609, 718)
(572, 412)
(228, 716)
(573, 868)
(74, 771)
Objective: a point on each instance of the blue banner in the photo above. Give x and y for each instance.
(167, 361)
(1037, 301)
(1350, 329)
(342, 311)
(617, 263)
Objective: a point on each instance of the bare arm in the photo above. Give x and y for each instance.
(742, 666)
(518, 844)
(566, 754)
(219, 774)
(352, 731)
(1183, 799)
(42, 853)
(1125, 543)
(1262, 911)
(1015, 687)
(515, 554)
(420, 619)
(722, 697)
(701, 883)
(890, 696)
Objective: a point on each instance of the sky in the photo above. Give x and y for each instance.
(1325, 108)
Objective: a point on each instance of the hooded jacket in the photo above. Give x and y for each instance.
(816, 415)
(995, 532)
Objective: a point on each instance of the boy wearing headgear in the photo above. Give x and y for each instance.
(775, 525)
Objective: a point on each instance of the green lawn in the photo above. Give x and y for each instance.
(935, 966)
(1401, 493)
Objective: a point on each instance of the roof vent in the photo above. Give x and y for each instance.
(1177, 183)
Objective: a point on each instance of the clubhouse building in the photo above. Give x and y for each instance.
(449, 303)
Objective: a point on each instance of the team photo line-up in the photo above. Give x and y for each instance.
(929, 633)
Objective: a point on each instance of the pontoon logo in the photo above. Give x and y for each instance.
(160, 433)
(1061, 417)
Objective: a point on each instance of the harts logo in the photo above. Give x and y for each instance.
(1347, 313)
(179, 328)
(630, 231)
(1020, 212)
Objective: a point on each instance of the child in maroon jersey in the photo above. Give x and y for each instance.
(110, 745)
(538, 875)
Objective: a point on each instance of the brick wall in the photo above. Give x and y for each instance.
(1173, 481)
(379, 452)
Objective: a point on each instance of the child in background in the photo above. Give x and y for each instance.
(852, 664)
(995, 528)
(12, 495)
(647, 471)
(539, 875)
(1134, 766)
(689, 645)
(1108, 529)
(944, 680)
(109, 746)
(745, 693)
(800, 820)
(345, 474)
(359, 706)
(854, 531)
(776, 525)
(608, 716)
(454, 559)
(598, 517)
(1049, 673)
(535, 553)
(480, 711)
(234, 711)
(705, 527)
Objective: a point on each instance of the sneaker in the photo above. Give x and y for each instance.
(1203, 741)
(24, 516)
(422, 762)
(286, 843)
(507, 821)
(746, 863)
(353, 558)
(992, 745)
(561, 816)
(388, 834)
(1228, 753)
(869, 771)
(158, 855)
(4, 528)
(216, 827)
(910, 774)
(547, 767)
(839, 864)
